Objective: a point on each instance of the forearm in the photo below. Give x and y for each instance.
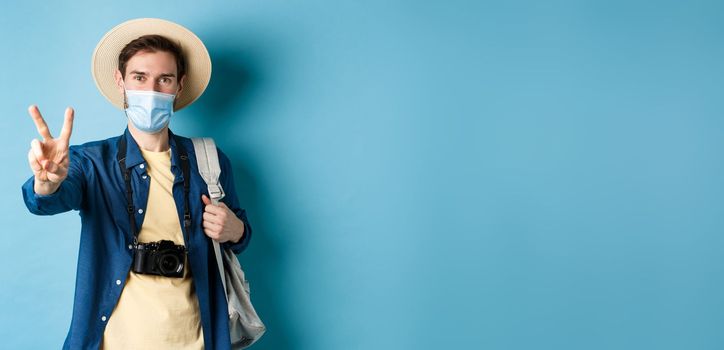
(67, 196)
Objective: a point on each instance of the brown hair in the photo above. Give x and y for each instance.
(152, 43)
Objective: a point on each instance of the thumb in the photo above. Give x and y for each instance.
(205, 199)
(37, 149)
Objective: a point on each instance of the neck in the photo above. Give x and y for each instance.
(157, 142)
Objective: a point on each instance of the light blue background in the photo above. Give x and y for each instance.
(418, 174)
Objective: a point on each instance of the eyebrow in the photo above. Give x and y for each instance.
(162, 75)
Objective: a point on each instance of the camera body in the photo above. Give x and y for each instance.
(163, 258)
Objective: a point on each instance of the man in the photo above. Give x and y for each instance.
(147, 276)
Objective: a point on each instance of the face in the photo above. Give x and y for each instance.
(151, 71)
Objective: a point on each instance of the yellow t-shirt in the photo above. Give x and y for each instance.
(157, 312)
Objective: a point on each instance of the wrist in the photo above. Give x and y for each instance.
(45, 188)
(237, 240)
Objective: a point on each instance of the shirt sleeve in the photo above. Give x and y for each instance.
(67, 197)
(232, 201)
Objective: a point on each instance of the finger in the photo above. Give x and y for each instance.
(33, 161)
(211, 218)
(213, 235)
(220, 213)
(67, 124)
(212, 226)
(59, 175)
(205, 199)
(213, 209)
(40, 122)
(37, 149)
(51, 167)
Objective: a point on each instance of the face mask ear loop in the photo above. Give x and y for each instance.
(175, 99)
(125, 102)
(125, 98)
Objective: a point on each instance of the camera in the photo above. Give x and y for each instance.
(163, 258)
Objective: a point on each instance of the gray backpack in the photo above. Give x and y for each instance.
(245, 327)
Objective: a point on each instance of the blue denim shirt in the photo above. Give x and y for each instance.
(95, 188)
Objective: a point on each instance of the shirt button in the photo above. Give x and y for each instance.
(141, 166)
(144, 177)
(130, 246)
(103, 318)
(140, 211)
(118, 282)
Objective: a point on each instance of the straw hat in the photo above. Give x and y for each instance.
(105, 58)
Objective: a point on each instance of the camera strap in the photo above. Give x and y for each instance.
(121, 156)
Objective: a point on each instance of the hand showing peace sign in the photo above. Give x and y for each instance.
(49, 158)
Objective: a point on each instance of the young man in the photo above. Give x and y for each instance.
(147, 276)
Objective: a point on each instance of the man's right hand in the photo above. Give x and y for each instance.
(49, 158)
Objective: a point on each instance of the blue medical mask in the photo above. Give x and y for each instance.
(149, 111)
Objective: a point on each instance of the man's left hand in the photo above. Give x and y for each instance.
(220, 223)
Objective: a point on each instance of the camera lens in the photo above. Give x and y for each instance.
(168, 264)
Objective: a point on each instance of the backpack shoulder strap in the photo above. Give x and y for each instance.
(208, 163)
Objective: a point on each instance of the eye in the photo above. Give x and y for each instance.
(138, 77)
(166, 80)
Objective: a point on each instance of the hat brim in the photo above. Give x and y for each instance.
(105, 58)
